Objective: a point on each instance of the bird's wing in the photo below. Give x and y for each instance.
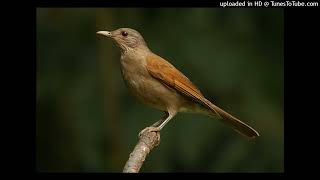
(172, 77)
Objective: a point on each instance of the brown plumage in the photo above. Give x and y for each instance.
(159, 84)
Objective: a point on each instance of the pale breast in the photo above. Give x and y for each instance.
(147, 89)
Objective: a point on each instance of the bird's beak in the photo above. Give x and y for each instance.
(105, 33)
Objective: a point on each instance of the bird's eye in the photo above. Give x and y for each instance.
(124, 33)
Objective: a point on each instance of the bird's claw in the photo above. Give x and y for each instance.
(150, 138)
(149, 129)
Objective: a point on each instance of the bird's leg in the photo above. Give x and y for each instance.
(156, 124)
(171, 115)
(156, 127)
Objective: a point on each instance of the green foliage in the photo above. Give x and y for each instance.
(88, 122)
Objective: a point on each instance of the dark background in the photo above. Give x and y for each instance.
(88, 122)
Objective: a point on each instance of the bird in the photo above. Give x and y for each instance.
(159, 84)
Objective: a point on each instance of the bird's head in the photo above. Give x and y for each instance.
(125, 38)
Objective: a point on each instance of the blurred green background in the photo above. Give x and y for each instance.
(88, 122)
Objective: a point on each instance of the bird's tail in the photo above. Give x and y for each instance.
(233, 122)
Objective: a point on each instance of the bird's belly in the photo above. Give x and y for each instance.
(151, 92)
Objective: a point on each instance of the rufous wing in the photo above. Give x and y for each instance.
(172, 77)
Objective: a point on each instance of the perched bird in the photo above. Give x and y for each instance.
(157, 83)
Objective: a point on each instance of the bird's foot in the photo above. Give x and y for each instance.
(149, 129)
(152, 139)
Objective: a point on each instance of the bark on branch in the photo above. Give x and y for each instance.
(148, 139)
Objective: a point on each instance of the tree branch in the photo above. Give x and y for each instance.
(148, 139)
